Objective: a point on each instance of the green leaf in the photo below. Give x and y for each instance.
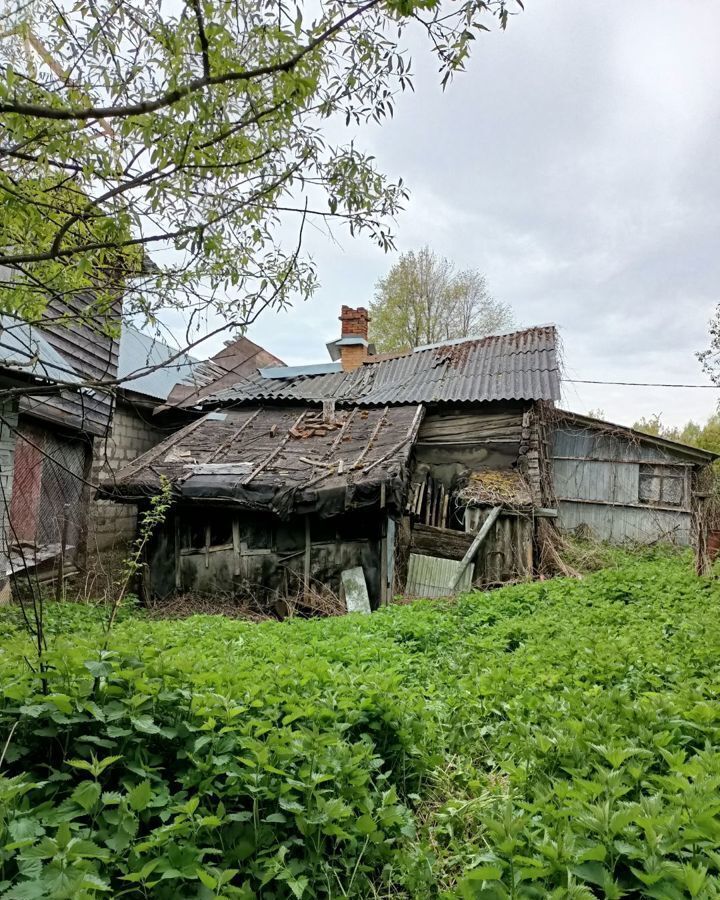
(207, 879)
(87, 794)
(140, 795)
(366, 825)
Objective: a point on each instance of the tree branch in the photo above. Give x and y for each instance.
(196, 84)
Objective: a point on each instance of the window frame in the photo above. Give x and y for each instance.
(664, 473)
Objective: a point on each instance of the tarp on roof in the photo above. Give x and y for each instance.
(522, 365)
(282, 459)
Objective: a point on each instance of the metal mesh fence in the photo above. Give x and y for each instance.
(46, 509)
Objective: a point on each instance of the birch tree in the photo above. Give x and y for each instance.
(425, 299)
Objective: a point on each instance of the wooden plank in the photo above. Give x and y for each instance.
(366, 450)
(448, 543)
(409, 437)
(475, 546)
(421, 495)
(276, 452)
(341, 434)
(233, 437)
(306, 559)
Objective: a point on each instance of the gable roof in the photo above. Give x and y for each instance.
(563, 416)
(522, 365)
(166, 366)
(237, 360)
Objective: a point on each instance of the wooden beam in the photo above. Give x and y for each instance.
(178, 547)
(233, 437)
(236, 545)
(306, 561)
(376, 429)
(475, 546)
(276, 452)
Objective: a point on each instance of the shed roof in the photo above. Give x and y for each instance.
(522, 365)
(686, 450)
(281, 458)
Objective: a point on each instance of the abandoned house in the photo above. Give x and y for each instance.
(48, 433)
(619, 484)
(390, 463)
(161, 384)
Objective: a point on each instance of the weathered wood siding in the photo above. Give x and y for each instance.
(596, 477)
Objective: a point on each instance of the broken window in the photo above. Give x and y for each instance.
(213, 527)
(661, 485)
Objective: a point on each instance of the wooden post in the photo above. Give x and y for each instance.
(178, 545)
(63, 547)
(475, 546)
(236, 545)
(306, 563)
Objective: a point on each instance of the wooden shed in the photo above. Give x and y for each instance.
(619, 484)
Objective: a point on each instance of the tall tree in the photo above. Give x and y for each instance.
(705, 436)
(425, 299)
(195, 133)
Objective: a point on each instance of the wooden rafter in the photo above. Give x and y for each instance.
(233, 437)
(409, 438)
(376, 429)
(275, 453)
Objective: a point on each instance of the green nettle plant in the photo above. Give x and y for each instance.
(558, 739)
(148, 523)
(177, 145)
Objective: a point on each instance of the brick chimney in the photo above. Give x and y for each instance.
(353, 337)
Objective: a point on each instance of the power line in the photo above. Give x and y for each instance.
(713, 387)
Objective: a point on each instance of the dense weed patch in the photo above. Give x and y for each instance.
(556, 739)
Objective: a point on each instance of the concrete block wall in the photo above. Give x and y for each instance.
(113, 524)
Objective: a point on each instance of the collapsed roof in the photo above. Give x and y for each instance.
(281, 459)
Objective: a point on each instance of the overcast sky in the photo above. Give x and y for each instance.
(576, 164)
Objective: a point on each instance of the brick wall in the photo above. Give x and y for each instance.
(113, 524)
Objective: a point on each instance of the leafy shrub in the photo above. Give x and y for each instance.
(555, 739)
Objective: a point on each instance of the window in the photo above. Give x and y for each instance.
(661, 485)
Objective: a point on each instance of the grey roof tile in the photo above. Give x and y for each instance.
(522, 365)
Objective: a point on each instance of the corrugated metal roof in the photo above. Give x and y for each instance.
(522, 365)
(23, 348)
(140, 351)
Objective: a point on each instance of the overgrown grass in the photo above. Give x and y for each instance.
(555, 739)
